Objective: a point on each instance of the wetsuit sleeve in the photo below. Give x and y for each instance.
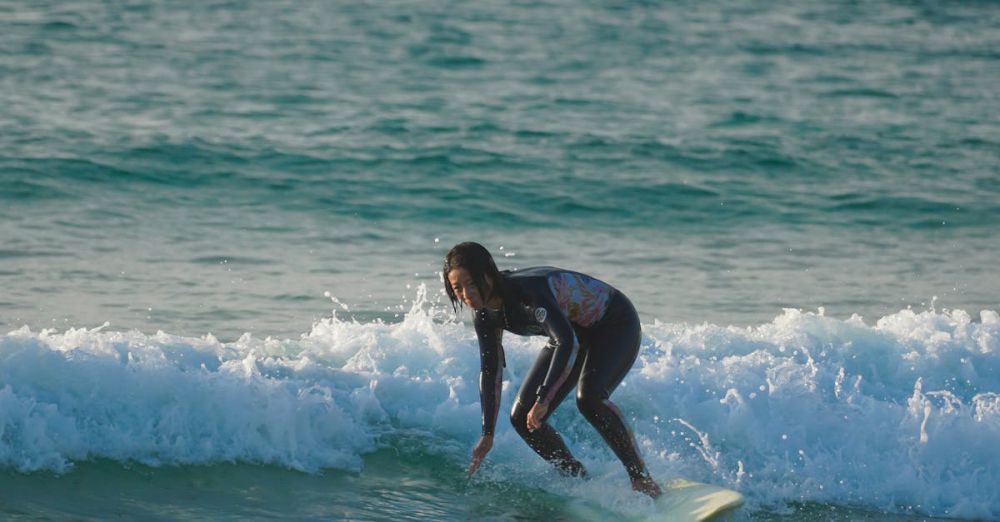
(491, 365)
(562, 339)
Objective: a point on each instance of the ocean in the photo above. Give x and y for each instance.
(222, 225)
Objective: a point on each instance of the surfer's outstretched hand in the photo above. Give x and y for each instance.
(483, 447)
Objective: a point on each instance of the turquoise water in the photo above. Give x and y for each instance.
(212, 179)
(398, 487)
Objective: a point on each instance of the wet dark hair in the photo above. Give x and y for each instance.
(478, 262)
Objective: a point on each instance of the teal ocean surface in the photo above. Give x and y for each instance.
(222, 223)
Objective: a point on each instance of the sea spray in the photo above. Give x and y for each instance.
(901, 415)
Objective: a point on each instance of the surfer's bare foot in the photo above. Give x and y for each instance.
(647, 485)
(572, 468)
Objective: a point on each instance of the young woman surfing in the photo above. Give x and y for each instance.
(594, 335)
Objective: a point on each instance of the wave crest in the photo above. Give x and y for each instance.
(902, 413)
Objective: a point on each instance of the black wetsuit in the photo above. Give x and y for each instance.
(594, 335)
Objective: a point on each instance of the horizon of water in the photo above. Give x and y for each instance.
(218, 168)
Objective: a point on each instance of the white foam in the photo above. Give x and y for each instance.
(902, 415)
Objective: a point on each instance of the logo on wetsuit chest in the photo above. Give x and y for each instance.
(540, 314)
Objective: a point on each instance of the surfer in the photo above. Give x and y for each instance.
(594, 335)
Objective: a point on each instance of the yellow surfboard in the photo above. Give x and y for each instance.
(686, 501)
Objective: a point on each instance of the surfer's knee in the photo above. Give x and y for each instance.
(589, 404)
(519, 418)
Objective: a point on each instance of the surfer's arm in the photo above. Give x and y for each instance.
(490, 369)
(565, 346)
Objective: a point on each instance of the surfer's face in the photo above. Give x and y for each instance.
(465, 288)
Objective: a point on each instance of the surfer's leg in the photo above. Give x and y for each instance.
(611, 351)
(546, 441)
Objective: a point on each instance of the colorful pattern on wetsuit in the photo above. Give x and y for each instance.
(582, 299)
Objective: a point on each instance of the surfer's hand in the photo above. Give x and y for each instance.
(536, 415)
(483, 447)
